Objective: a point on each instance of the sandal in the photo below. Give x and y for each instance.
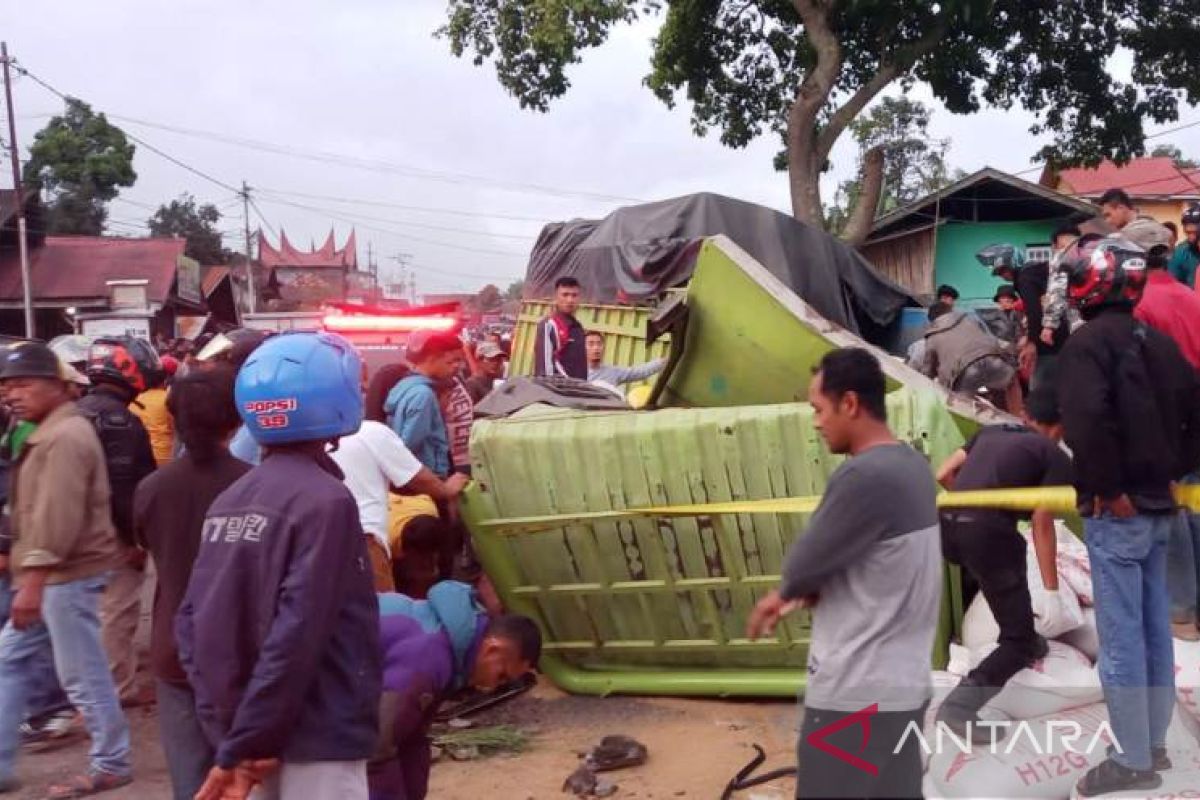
(87, 785)
(616, 752)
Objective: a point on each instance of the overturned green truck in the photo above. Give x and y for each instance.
(606, 527)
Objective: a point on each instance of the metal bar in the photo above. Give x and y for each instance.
(690, 645)
(650, 586)
(682, 683)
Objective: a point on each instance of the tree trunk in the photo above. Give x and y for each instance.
(804, 174)
(805, 160)
(862, 217)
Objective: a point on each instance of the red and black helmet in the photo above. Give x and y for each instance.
(125, 361)
(1109, 271)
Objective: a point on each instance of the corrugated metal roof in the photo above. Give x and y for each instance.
(212, 278)
(74, 267)
(1156, 176)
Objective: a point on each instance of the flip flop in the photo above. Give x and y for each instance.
(617, 752)
(87, 785)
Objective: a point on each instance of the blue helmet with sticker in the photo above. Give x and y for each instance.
(300, 387)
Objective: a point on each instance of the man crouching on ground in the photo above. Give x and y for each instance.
(432, 648)
(279, 629)
(869, 565)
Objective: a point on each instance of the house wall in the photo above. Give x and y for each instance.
(1163, 210)
(958, 242)
(907, 260)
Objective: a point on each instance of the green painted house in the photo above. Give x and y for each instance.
(933, 241)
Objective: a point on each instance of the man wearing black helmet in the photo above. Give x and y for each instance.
(1131, 411)
(1186, 257)
(1032, 281)
(120, 368)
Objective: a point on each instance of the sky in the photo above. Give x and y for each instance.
(353, 115)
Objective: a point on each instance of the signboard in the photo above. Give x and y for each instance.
(187, 280)
(116, 326)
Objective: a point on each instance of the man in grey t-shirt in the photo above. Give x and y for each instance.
(869, 566)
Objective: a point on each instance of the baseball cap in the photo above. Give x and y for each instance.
(488, 350)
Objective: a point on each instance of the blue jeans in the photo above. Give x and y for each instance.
(1183, 567)
(189, 754)
(1133, 618)
(45, 695)
(71, 628)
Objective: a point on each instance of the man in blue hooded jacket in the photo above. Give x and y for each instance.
(432, 648)
(279, 628)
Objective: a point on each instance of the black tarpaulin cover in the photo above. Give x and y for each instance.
(638, 251)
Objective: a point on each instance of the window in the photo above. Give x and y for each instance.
(1038, 251)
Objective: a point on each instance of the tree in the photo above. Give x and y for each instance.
(515, 290)
(1174, 153)
(806, 69)
(914, 165)
(80, 161)
(198, 224)
(489, 298)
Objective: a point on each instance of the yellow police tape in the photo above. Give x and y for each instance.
(1059, 499)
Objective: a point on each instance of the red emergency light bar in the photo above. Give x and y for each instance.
(388, 323)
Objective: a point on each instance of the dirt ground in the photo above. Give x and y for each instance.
(695, 747)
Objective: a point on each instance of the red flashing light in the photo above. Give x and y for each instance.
(385, 323)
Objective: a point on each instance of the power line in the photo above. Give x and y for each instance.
(375, 165)
(200, 173)
(1155, 135)
(390, 221)
(405, 207)
(354, 220)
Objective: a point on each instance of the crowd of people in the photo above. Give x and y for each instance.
(314, 593)
(1004, 352)
(1109, 341)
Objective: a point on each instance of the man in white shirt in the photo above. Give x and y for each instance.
(373, 461)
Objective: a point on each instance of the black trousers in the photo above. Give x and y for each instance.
(823, 774)
(993, 552)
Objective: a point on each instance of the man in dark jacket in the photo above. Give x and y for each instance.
(1131, 409)
(559, 347)
(1040, 348)
(279, 629)
(120, 369)
(168, 513)
(432, 648)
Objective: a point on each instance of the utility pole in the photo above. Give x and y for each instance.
(250, 289)
(22, 244)
(402, 259)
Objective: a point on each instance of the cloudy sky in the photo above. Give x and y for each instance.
(352, 114)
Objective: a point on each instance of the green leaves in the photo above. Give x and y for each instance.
(198, 224)
(741, 64)
(534, 41)
(81, 162)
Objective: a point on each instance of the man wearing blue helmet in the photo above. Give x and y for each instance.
(279, 629)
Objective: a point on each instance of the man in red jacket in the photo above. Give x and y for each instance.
(1174, 308)
(1170, 306)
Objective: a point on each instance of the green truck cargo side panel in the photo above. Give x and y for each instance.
(647, 597)
(624, 329)
(651, 605)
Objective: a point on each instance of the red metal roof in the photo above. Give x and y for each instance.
(1156, 176)
(77, 267)
(287, 255)
(212, 277)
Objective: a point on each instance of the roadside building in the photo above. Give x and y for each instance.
(1157, 185)
(933, 240)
